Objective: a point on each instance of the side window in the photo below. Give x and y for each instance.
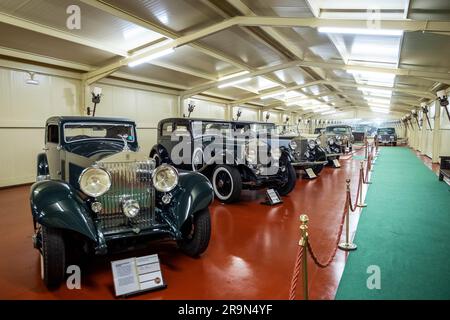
(167, 129)
(52, 134)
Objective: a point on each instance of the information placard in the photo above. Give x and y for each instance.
(272, 197)
(336, 163)
(310, 173)
(135, 275)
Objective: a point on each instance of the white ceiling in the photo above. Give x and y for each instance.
(115, 29)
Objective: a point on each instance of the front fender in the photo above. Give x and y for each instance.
(56, 204)
(194, 193)
(286, 154)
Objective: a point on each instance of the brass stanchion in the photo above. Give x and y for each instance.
(361, 204)
(368, 168)
(366, 147)
(347, 245)
(304, 243)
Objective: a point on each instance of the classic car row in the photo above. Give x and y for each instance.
(95, 192)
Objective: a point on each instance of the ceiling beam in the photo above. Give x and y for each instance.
(296, 87)
(419, 93)
(405, 25)
(256, 73)
(55, 33)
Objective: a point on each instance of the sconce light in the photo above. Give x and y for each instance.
(32, 80)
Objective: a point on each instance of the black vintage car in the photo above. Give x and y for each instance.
(224, 152)
(305, 149)
(96, 194)
(339, 138)
(387, 136)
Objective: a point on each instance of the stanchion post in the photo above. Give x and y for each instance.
(361, 204)
(304, 243)
(366, 147)
(347, 245)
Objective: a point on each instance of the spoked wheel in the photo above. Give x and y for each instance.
(290, 182)
(227, 183)
(196, 234)
(53, 257)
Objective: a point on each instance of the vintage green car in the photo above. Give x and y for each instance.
(95, 194)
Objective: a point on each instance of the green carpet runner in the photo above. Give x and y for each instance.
(404, 231)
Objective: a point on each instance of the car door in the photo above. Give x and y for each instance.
(52, 149)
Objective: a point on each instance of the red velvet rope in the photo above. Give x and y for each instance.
(296, 274)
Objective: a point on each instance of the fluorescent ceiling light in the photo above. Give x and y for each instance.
(377, 105)
(329, 112)
(376, 91)
(380, 110)
(151, 57)
(232, 83)
(371, 73)
(368, 31)
(377, 100)
(233, 75)
(271, 95)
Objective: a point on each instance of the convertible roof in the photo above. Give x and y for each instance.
(64, 119)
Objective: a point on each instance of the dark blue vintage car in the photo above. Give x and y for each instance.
(96, 194)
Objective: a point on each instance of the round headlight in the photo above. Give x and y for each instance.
(165, 178)
(94, 181)
(312, 144)
(130, 208)
(293, 145)
(330, 141)
(318, 142)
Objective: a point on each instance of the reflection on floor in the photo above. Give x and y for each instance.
(251, 254)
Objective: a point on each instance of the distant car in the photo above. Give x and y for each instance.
(387, 136)
(228, 172)
(340, 138)
(305, 149)
(96, 194)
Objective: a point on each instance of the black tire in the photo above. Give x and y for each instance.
(196, 234)
(53, 257)
(227, 183)
(395, 144)
(291, 180)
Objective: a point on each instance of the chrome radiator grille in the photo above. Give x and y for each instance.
(129, 180)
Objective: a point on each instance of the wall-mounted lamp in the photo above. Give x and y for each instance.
(443, 100)
(96, 97)
(32, 80)
(191, 108)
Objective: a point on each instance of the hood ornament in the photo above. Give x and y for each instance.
(125, 142)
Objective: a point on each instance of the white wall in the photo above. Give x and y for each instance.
(23, 111)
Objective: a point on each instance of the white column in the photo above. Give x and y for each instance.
(436, 133)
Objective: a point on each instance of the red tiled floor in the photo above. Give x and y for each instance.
(251, 254)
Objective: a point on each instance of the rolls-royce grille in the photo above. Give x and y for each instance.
(129, 180)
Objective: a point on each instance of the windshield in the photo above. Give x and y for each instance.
(85, 131)
(386, 131)
(338, 130)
